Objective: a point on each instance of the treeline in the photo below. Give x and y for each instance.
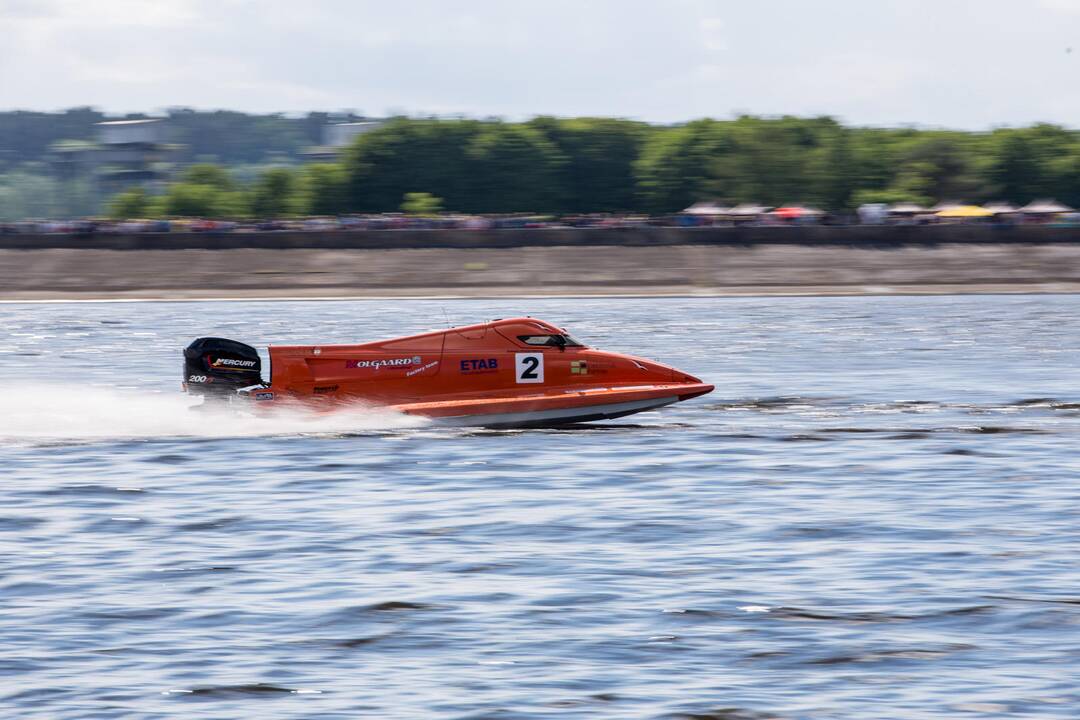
(205, 190)
(592, 165)
(567, 166)
(551, 166)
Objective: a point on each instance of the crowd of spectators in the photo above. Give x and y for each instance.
(698, 215)
(388, 221)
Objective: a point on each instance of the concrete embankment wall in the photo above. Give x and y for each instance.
(855, 235)
(522, 262)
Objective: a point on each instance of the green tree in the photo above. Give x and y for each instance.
(189, 200)
(323, 189)
(133, 203)
(276, 194)
(1067, 177)
(209, 174)
(772, 155)
(939, 165)
(681, 165)
(889, 197)
(514, 168)
(28, 195)
(421, 204)
(407, 155)
(832, 171)
(597, 173)
(1029, 163)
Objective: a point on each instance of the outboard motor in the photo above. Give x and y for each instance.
(216, 368)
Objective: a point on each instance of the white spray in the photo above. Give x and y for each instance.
(58, 412)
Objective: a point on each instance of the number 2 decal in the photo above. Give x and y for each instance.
(529, 367)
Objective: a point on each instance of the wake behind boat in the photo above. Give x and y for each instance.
(517, 372)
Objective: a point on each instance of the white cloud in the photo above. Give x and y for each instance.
(102, 13)
(1068, 6)
(888, 61)
(19, 9)
(133, 13)
(712, 34)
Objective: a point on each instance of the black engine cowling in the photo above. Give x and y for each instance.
(218, 367)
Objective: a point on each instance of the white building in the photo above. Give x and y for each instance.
(341, 135)
(132, 152)
(131, 132)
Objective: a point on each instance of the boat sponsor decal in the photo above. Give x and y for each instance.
(417, 371)
(324, 389)
(529, 367)
(260, 396)
(384, 362)
(474, 366)
(579, 367)
(229, 363)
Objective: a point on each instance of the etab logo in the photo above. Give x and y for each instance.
(479, 365)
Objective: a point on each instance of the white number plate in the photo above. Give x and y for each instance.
(529, 367)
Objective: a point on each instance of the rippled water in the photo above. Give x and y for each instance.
(874, 516)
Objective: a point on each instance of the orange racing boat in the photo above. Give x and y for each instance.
(517, 372)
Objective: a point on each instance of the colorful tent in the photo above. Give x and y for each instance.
(1045, 207)
(747, 209)
(965, 211)
(793, 212)
(706, 208)
(906, 208)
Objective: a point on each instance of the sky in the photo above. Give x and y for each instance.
(970, 64)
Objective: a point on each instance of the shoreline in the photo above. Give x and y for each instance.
(434, 294)
(65, 275)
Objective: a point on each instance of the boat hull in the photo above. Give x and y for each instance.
(555, 409)
(553, 418)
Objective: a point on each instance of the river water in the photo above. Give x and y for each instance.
(874, 516)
